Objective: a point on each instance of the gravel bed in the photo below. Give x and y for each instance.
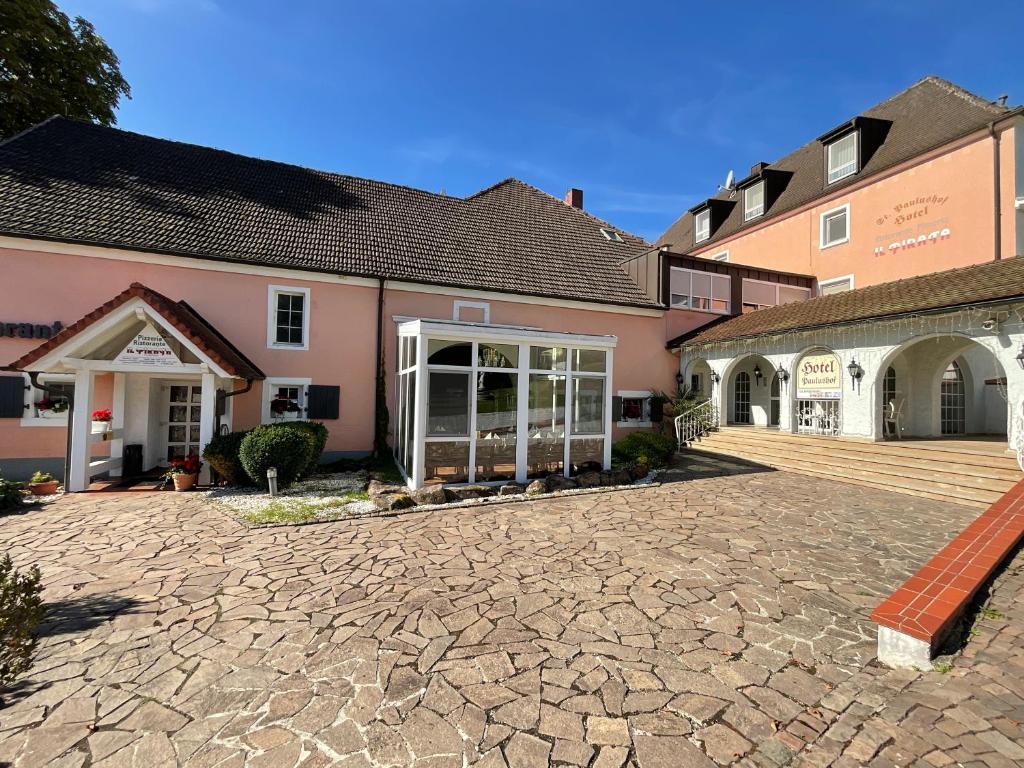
(309, 494)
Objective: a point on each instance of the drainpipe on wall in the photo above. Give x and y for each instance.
(998, 249)
(380, 426)
(222, 397)
(34, 378)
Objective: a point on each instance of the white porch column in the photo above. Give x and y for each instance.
(81, 425)
(207, 419)
(117, 425)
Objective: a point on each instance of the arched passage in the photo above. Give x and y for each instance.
(942, 386)
(697, 377)
(748, 392)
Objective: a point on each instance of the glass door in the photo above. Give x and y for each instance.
(741, 398)
(775, 408)
(183, 411)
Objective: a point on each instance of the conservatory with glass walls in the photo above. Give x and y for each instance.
(495, 404)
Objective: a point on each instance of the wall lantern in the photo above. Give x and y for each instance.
(783, 374)
(680, 379)
(856, 372)
(758, 375)
(716, 378)
(1020, 356)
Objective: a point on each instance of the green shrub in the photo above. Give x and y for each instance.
(222, 454)
(318, 432)
(21, 609)
(276, 445)
(649, 448)
(11, 497)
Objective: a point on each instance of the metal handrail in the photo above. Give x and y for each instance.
(695, 422)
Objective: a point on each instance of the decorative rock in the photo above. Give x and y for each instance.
(606, 477)
(622, 477)
(511, 489)
(431, 494)
(559, 483)
(376, 489)
(464, 492)
(639, 471)
(536, 488)
(589, 479)
(588, 466)
(394, 501)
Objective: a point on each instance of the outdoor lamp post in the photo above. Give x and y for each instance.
(856, 372)
(272, 480)
(758, 375)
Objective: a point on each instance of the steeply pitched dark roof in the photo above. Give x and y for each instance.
(965, 286)
(177, 313)
(928, 114)
(82, 183)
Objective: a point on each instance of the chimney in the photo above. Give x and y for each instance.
(756, 168)
(574, 198)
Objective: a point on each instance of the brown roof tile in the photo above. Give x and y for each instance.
(978, 284)
(177, 313)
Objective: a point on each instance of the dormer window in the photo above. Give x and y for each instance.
(702, 226)
(753, 201)
(611, 234)
(842, 157)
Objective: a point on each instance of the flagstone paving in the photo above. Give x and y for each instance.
(723, 619)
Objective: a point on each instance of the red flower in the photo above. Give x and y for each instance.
(104, 414)
(190, 465)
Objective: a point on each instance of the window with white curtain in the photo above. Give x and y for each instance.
(842, 157)
(836, 285)
(758, 294)
(753, 201)
(835, 226)
(702, 226)
(704, 291)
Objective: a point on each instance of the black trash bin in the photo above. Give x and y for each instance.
(131, 461)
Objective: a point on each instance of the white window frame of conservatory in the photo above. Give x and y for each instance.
(272, 383)
(31, 394)
(637, 394)
(524, 338)
(273, 291)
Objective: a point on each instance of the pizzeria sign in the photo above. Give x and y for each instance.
(819, 377)
(148, 348)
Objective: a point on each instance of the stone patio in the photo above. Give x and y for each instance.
(719, 620)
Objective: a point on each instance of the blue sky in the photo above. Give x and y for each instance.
(645, 106)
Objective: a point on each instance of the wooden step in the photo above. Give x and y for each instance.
(931, 489)
(979, 476)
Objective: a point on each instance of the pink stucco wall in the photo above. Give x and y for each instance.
(342, 331)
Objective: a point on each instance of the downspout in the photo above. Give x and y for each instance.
(222, 396)
(34, 378)
(998, 216)
(379, 406)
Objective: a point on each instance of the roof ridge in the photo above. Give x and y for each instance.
(31, 128)
(963, 93)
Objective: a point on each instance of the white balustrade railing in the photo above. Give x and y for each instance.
(695, 422)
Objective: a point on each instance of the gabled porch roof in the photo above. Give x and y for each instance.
(194, 330)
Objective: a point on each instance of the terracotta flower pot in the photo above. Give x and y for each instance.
(183, 482)
(43, 489)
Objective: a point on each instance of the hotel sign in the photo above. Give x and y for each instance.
(148, 348)
(819, 377)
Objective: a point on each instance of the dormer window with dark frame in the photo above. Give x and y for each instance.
(841, 157)
(702, 226)
(753, 201)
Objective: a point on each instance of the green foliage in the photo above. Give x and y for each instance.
(222, 454)
(276, 445)
(11, 497)
(299, 510)
(21, 609)
(649, 448)
(50, 65)
(318, 433)
(41, 477)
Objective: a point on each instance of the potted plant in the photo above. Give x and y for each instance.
(42, 484)
(282, 407)
(184, 472)
(101, 421)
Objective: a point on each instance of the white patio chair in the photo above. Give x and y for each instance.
(893, 418)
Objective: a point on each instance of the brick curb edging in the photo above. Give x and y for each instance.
(918, 616)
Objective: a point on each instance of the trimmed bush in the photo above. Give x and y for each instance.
(276, 445)
(11, 497)
(21, 609)
(222, 454)
(648, 448)
(318, 432)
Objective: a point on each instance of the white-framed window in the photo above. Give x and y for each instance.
(842, 157)
(48, 409)
(753, 201)
(702, 225)
(723, 256)
(287, 317)
(704, 291)
(835, 226)
(835, 285)
(611, 234)
(758, 294)
(471, 311)
(284, 399)
(636, 408)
